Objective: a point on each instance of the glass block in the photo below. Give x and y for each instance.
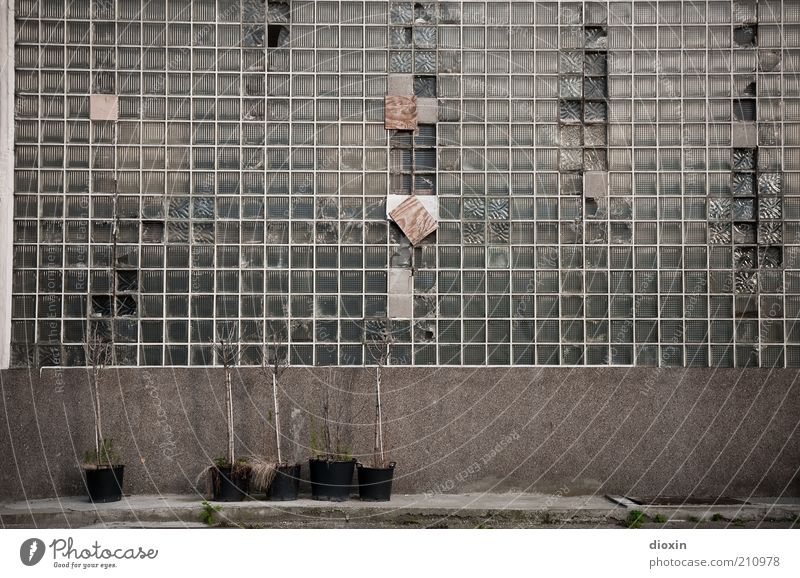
(425, 86)
(770, 257)
(425, 37)
(594, 112)
(769, 183)
(594, 63)
(595, 88)
(746, 282)
(570, 111)
(569, 86)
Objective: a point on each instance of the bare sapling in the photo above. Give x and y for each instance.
(380, 347)
(273, 363)
(98, 351)
(227, 351)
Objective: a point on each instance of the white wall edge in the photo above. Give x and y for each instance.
(7, 32)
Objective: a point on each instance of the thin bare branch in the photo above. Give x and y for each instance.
(229, 355)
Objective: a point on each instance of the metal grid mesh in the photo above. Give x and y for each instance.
(617, 181)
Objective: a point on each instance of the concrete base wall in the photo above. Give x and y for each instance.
(568, 431)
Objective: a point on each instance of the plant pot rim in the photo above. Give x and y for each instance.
(361, 466)
(96, 467)
(332, 461)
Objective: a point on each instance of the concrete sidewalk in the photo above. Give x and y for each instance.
(404, 511)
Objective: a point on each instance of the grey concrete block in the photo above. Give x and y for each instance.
(427, 110)
(400, 85)
(744, 135)
(400, 306)
(595, 184)
(103, 107)
(400, 281)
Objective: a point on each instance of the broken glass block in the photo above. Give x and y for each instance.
(424, 306)
(595, 37)
(254, 36)
(744, 109)
(400, 37)
(277, 12)
(424, 12)
(746, 36)
(401, 13)
(278, 36)
(769, 60)
(126, 305)
(327, 232)
(424, 331)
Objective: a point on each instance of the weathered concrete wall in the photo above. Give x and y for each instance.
(570, 431)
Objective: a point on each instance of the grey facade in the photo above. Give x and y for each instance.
(627, 431)
(581, 184)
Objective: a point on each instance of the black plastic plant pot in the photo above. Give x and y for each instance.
(286, 483)
(375, 484)
(331, 480)
(225, 488)
(104, 483)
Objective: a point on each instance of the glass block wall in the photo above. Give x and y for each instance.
(611, 183)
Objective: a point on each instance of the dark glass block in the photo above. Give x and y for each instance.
(176, 355)
(425, 86)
